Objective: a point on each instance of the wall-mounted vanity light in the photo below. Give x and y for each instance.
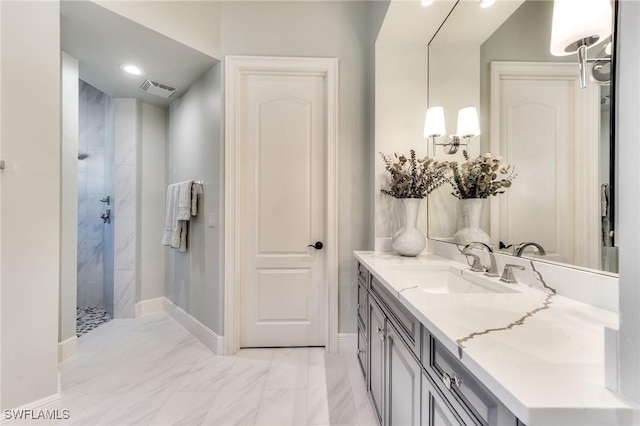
(577, 26)
(487, 3)
(468, 127)
(426, 3)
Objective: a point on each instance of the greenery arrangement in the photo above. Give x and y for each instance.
(480, 177)
(413, 177)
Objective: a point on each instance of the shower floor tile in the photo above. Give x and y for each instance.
(89, 318)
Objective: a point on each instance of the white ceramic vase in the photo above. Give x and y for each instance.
(469, 214)
(408, 240)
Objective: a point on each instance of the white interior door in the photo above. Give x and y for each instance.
(283, 156)
(540, 123)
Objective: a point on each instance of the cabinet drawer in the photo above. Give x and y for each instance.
(459, 384)
(438, 410)
(363, 275)
(406, 323)
(363, 301)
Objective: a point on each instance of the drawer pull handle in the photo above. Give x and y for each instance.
(457, 380)
(358, 306)
(360, 351)
(446, 379)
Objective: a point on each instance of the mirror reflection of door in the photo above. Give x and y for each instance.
(545, 124)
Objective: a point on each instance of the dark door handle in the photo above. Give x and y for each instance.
(318, 245)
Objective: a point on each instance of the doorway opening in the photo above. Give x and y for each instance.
(95, 209)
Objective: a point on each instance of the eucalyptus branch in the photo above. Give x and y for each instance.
(413, 177)
(479, 177)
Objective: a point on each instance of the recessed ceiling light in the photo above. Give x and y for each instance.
(486, 3)
(131, 69)
(426, 2)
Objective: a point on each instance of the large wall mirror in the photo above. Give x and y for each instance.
(534, 114)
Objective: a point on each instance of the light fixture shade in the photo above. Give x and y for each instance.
(487, 3)
(426, 3)
(468, 124)
(577, 20)
(434, 122)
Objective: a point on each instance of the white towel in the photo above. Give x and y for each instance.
(196, 189)
(184, 200)
(181, 204)
(171, 210)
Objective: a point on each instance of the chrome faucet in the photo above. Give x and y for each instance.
(519, 250)
(492, 270)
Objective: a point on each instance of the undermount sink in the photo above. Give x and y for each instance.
(446, 281)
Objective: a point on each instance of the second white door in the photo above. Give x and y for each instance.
(542, 123)
(282, 209)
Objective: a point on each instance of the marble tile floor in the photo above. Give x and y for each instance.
(88, 318)
(150, 371)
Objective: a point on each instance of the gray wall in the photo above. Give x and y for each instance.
(151, 202)
(344, 30)
(30, 200)
(193, 152)
(69, 199)
(628, 203)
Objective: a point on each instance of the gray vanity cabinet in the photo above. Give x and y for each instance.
(394, 369)
(403, 375)
(469, 398)
(377, 330)
(363, 319)
(435, 409)
(412, 379)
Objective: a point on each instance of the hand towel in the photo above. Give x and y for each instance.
(196, 190)
(184, 200)
(170, 214)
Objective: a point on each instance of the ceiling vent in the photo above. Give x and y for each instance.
(158, 89)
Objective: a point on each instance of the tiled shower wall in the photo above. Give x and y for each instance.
(126, 130)
(107, 298)
(91, 188)
(107, 252)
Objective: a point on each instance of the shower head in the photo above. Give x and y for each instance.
(82, 155)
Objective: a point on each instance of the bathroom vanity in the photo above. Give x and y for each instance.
(439, 344)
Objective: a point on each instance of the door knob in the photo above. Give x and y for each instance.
(318, 245)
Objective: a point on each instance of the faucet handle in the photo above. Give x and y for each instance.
(507, 273)
(476, 266)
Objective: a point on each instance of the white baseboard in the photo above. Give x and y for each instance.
(151, 306)
(67, 348)
(195, 327)
(348, 343)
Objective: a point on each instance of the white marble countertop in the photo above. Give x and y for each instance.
(547, 369)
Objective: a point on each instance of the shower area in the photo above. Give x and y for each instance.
(95, 298)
